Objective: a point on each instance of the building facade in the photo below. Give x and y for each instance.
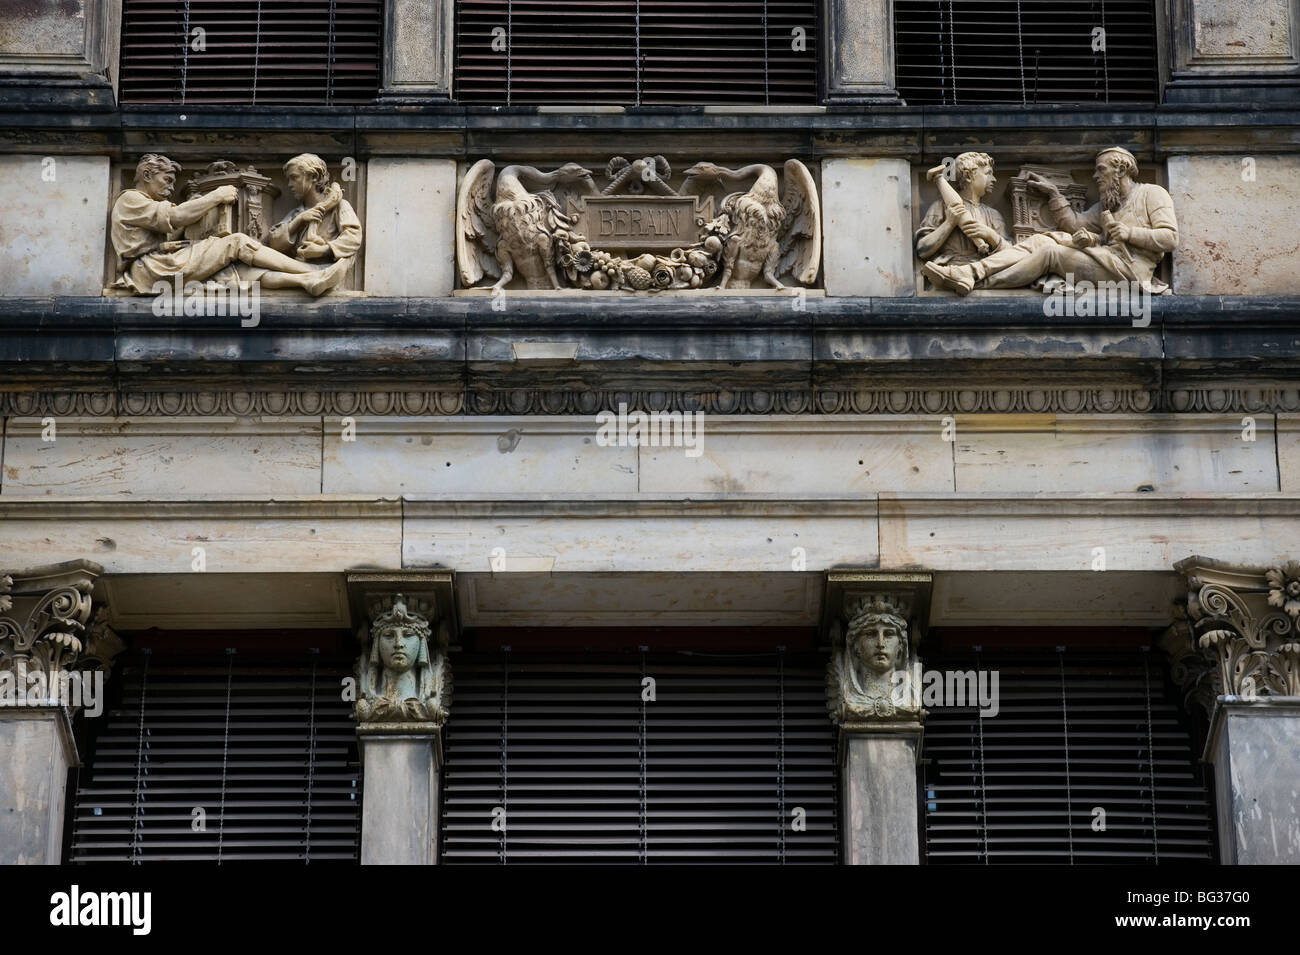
(453, 431)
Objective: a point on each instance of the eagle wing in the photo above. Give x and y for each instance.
(476, 237)
(801, 243)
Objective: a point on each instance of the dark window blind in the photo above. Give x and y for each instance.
(636, 52)
(268, 753)
(585, 771)
(972, 52)
(1075, 732)
(307, 52)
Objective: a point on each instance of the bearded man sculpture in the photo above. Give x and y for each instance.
(1120, 239)
(401, 677)
(860, 682)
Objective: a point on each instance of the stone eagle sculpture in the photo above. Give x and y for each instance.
(768, 234)
(515, 230)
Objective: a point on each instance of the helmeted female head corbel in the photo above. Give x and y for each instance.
(402, 677)
(871, 646)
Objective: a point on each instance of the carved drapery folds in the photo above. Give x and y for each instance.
(719, 228)
(46, 631)
(403, 674)
(222, 231)
(875, 622)
(1054, 243)
(1237, 632)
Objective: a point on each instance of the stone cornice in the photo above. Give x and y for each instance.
(725, 354)
(912, 504)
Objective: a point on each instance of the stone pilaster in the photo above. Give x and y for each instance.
(419, 40)
(874, 622)
(403, 699)
(1236, 652)
(53, 660)
(858, 52)
(59, 54)
(1225, 51)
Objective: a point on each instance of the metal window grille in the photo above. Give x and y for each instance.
(586, 771)
(264, 52)
(268, 754)
(636, 52)
(973, 52)
(1076, 733)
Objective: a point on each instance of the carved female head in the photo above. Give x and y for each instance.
(877, 636)
(399, 638)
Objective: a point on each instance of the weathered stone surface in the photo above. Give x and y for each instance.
(1288, 452)
(418, 45)
(780, 455)
(399, 816)
(163, 456)
(514, 598)
(860, 44)
(675, 534)
(37, 750)
(1109, 453)
(475, 455)
(45, 28)
(1063, 531)
(410, 219)
(879, 798)
(1225, 30)
(867, 207)
(52, 236)
(1237, 233)
(235, 536)
(1256, 765)
(1047, 598)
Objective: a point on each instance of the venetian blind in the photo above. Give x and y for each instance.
(577, 768)
(973, 52)
(324, 52)
(267, 753)
(636, 52)
(1075, 733)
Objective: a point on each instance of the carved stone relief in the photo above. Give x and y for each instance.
(870, 643)
(1053, 242)
(1237, 632)
(555, 230)
(46, 628)
(222, 231)
(403, 674)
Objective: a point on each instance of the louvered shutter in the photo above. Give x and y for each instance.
(321, 52)
(586, 771)
(972, 52)
(1075, 732)
(636, 52)
(268, 753)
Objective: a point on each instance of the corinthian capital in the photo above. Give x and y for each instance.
(45, 624)
(1238, 632)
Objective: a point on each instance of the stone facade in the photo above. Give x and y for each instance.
(568, 371)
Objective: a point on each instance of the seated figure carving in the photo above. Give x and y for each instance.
(959, 228)
(146, 230)
(1122, 238)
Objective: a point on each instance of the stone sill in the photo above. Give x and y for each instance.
(672, 309)
(812, 119)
